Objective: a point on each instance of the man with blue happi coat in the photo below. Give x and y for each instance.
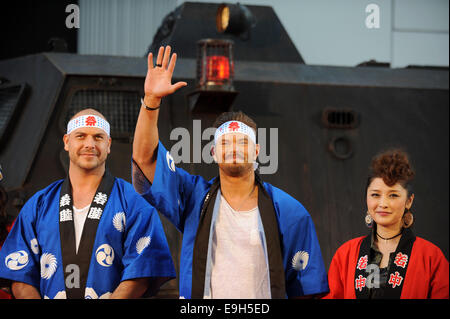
(89, 235)
(242, 237)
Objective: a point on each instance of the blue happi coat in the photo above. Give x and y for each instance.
(129, 243)
(180, 196)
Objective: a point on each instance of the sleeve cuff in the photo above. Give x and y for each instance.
(140, 183)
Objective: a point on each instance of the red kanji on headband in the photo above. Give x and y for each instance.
(234, 126)
(90, 121)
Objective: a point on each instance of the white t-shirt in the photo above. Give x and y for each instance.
(239, 268)
(79, 217)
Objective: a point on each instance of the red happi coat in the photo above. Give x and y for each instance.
(4, 294)
(427, 271)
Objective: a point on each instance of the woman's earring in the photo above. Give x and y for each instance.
(368, 220)
(408, 219)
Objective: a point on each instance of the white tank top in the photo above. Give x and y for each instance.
(239, 267)
(79, 218)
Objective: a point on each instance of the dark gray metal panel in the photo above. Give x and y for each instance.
(295, 73)
(45, 81)
(98, 65)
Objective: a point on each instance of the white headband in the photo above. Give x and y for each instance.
(88, 121)
(235, 127)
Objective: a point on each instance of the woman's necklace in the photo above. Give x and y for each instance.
(386, 239)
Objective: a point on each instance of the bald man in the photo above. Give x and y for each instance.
(89, 235)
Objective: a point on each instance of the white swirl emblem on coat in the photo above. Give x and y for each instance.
(17, 260)
(89, 293)
(142, 243)
(105, 255)
(119, 221)
(61, 295)
(300, 260)
(170, 162)
(34, 246)
(48, 265)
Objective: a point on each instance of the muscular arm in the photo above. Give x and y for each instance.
(146, 138)
(128, 289)
(22, 290)
(157, 85)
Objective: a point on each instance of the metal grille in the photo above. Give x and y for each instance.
(210, 51)
(121, 108)
(344, 119)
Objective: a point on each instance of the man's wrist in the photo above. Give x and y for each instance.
(152, 101)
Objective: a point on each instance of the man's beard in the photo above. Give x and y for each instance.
(236, 164)
(236, 170)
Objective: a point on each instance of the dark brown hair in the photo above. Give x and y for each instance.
(393, 166)
(236, 116)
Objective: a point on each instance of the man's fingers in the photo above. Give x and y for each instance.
(159, 58)
(150, 60)
(165, 60)
(173, 61)
(178, 85)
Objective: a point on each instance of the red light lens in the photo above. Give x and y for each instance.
(218, 68)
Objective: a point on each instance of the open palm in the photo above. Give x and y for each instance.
(158, 82)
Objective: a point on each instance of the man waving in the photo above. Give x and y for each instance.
(242, 237)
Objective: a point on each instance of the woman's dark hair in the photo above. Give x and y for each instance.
(393, 166)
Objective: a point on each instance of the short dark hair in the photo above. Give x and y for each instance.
(393, 166)
(236, 116)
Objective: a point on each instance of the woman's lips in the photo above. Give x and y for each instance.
(382, 213)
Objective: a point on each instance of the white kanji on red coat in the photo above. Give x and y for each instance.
(401, 260)
(362, 262)
(360, 283)
(395, 279)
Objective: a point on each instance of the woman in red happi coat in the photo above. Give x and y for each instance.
(391, 262)
(5, 227)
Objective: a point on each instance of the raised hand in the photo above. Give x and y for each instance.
(158, 82)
